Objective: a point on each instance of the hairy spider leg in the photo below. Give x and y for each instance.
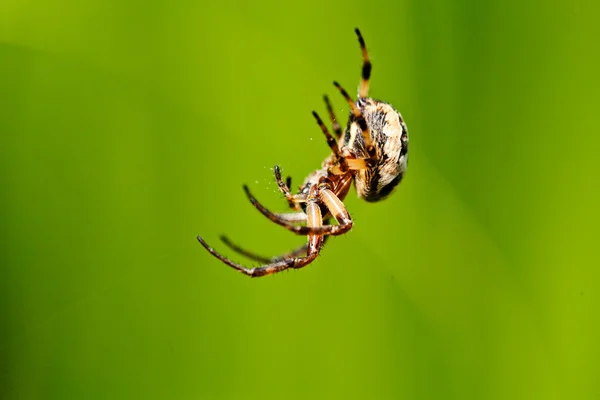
(363, 90)
(293, 200)
(315, 242)
(285, 189)
(326, 197)
(356, 163)
(332, 143)
(360, 119)
(297, 252)
(246, 253)
(288, 183)
(337, 129)
(292, 217)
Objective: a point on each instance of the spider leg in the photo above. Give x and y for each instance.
(297, 252)
(357, 163)
(338, 211)
(360, 119)
(314, 245)
(337, 129)
(292, 217)
(363, 90)
(285, 188)
(328, 198)
(265, 260)
(332, 143)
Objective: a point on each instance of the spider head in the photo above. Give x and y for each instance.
(390, 138)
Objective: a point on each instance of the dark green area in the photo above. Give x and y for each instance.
(127, 128)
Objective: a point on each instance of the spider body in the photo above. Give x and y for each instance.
(340, 183)
(372, 152)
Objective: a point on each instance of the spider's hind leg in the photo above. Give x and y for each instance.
(297, 252)
(314, 245)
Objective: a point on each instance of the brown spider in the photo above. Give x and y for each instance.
(372, 152)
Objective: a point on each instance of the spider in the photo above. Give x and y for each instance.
(372, 153)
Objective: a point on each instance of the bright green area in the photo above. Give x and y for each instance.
(128, 128)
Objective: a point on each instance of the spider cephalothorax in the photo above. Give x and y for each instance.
(372, 153)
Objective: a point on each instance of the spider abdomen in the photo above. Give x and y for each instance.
(389, 136)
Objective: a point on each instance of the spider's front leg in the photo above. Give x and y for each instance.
(332, 143)
(293, 200)
(360, 119)
(314, 245)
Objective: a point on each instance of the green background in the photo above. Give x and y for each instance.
(128, 128)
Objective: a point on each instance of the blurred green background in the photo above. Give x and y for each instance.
(128, 128)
